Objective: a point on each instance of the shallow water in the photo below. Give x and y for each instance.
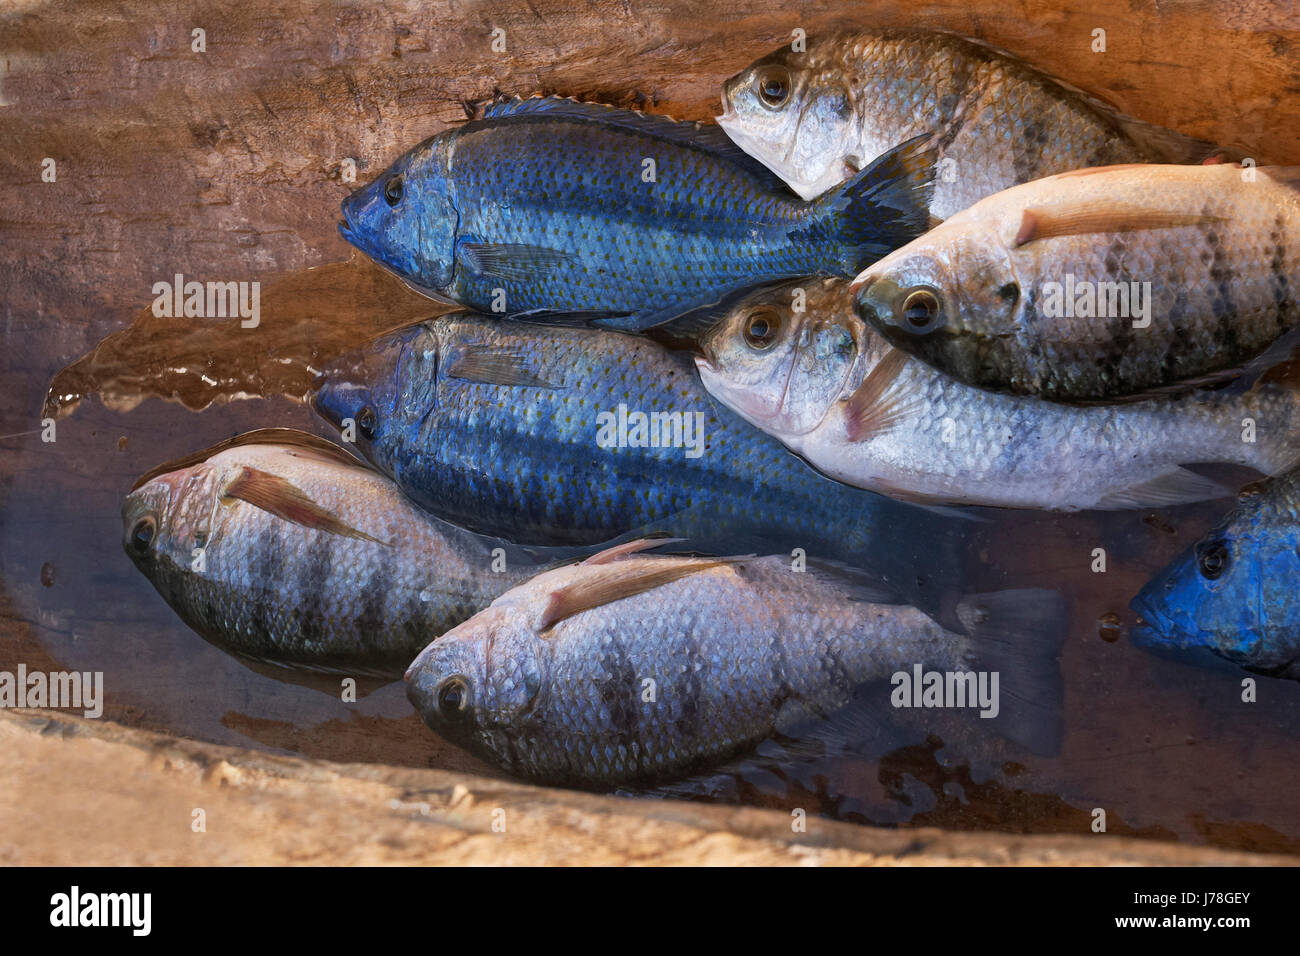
(1166, 748)
(228, 167)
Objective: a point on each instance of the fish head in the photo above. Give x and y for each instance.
(795, 119)
(946, 298)
(168, 517)
(1232, 593)
(781, 357)
(361, 393)
(406, 220)
(477, 683)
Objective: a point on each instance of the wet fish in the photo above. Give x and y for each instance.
(835, 392)
(815, 117)
(1103, 283)
(547, 205)
(563, 436)
(633, 668)
(1234, 592)
(282, 548)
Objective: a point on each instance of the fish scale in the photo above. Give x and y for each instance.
(996, 120)
(1212, 250)
(659, 683)
(277, 591)
(950, 442)
(1233, 593)
(522, 462)
(545, 206)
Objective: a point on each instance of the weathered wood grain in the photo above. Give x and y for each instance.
(227, 165)
(132, 794)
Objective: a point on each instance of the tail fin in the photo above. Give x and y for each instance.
(1017, 635)
(883, 207)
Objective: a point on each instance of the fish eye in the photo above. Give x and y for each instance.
(453, 698)
(142, 535)
(366, 422)
(393, 191)
(920, 311)
(761, 328)
(774, 87)
(1212, 560)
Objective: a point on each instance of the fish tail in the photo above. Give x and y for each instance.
(1017, 635)
(883, 207)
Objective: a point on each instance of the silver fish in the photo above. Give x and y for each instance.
(628, 668)
(1101, 284)
(830, 388)
(294, 553)
(815, 117)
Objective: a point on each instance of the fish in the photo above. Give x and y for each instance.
(551, 207)
(562, 436)
(860, 411)
(1102, 285)
(630, 668)
(283, 549)
(1233, 593)
(815, 117)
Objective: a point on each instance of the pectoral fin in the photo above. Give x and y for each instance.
(494, 366)
(877, 405)
(517, 261)
(285, 500)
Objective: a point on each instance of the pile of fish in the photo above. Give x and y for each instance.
(904, 274)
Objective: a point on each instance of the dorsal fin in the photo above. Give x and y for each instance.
(1099, 216)
(615, 580)
(1164, 144)
(325, 450)
(629, 547)
(706, 136)
(285, 500)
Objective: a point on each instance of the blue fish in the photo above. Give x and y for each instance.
(547, 434)
(1235, 592)
(550, 206)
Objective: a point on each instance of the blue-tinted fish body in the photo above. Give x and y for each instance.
(548, 205)
(512, 429)
(1236, 592)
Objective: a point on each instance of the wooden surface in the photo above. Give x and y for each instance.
(226, 165)
(130, 797)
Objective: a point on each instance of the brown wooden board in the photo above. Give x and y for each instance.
(228, 164)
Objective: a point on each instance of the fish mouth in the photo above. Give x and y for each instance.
(862, 282)
(1144, 635)
(727, 116)
(1152, 628)
(347, 228)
